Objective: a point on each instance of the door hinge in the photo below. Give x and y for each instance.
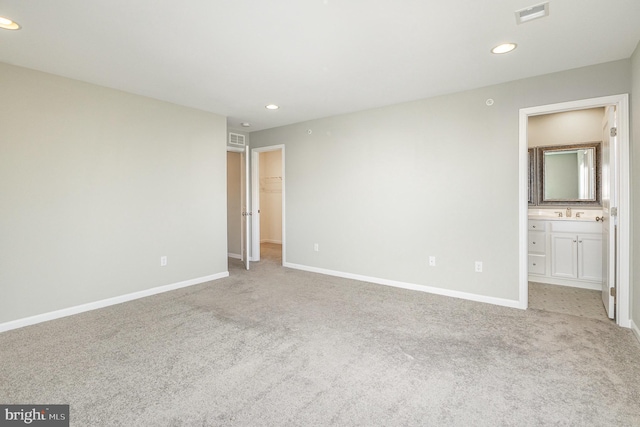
(614, 132)
(612, 292)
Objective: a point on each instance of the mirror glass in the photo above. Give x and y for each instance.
(569, 174)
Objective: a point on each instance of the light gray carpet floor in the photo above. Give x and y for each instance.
(280, 347)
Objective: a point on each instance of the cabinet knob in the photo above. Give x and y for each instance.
(600, 218)
(574, 241)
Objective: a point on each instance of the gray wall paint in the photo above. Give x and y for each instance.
(635, 185)
(95, 186)
(381, 190)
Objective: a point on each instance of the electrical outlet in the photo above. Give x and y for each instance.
(478, 266)
(163, 261)
(432, 261)
(316, 247)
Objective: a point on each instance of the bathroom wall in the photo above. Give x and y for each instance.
(271, 196)
(571, 127)
(382, 190)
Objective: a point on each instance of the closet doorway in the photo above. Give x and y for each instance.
(238, 222)
(234, 205)
(268, 200)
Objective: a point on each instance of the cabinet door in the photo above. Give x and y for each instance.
(564, 257)
(590, 257)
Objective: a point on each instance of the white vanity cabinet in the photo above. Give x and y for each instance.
(537, 248)
(566, 253)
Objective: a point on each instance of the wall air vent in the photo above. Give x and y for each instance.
(532, 12)
(236, 139)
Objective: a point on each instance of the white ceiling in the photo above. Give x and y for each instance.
(314, 58)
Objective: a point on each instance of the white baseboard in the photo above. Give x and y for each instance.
(39, 318)
(279, 242)
(235, 256)
(635, 329)
(422, 288)
(565, 282)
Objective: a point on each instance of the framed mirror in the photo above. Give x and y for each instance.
(569, 175)
(531, 180)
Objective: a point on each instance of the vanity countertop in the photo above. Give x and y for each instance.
(552, 214)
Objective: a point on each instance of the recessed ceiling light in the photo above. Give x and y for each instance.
(8, 24)
(271, 107)
(504, 48)
(532, 12)
(245, 124)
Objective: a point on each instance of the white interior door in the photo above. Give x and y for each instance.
(246, 213)
(255, 176)
(609, 210)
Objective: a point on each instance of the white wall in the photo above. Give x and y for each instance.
(572, 127)
(234, 204)
(635, 185)
(271, 196)
(382, 190)
(96, 185)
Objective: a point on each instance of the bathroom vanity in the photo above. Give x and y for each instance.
(566, 250)
(565, 212)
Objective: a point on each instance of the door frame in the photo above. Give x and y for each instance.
(255, 200)
(623, 265)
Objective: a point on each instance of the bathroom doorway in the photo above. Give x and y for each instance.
(619, 194)
(268, 200)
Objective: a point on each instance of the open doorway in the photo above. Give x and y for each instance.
(565, 236)
(268, 194)
(615, 209)
(234, 205)
(238, 222)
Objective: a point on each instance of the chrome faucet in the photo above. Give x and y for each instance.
(559, 214)
(568, 212)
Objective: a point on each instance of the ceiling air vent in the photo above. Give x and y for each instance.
(236, 139)
(532, 12)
